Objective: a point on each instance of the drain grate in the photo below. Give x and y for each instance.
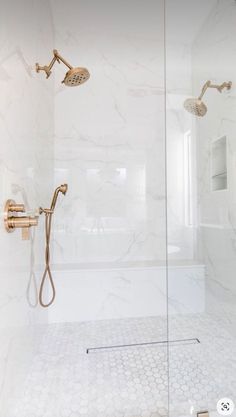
(180, 342)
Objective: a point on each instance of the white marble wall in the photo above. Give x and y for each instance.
(214, 57)
(26, 131)
(109, 133)
(109, 147)
(210, 37)
(184, 19)
(118, 293)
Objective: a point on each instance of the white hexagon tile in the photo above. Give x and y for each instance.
(65, 381)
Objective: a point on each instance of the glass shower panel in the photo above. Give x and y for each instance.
(201, 169)
(110, 149)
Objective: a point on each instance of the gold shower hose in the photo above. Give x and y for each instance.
(48, 226)
(47, 271)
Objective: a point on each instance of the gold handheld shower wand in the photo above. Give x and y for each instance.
(73, 77)
(48, 226)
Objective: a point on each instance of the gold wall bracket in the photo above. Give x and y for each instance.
(13, 221)
(47, 68)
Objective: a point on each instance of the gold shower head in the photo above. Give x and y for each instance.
(74, 77)
(196, 106)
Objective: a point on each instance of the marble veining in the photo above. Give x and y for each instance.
(110, 143)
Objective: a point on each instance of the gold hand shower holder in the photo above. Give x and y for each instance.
(47, 68)
(48, 226)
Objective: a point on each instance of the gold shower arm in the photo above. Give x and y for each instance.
(60, 58)
(47, 68)
(220, 88)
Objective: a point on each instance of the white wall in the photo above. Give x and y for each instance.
(201, 47)
(118, 293)
(178, 124)
(109, 133)
(26, 131)
(214, 58)
(204, 51)
(110, 137)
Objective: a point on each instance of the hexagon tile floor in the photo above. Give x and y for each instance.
(65, 381)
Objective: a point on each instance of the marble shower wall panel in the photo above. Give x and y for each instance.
(26, 131)
(179, 82)
(110, 133)
(122, 293)
(214, 57)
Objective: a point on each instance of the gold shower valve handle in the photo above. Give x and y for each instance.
(18, 208)
(21, 222)
(13, 222)
(25, 233)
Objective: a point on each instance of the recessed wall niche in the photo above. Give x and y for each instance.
(219, 178)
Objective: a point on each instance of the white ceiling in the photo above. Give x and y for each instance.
(185, 18)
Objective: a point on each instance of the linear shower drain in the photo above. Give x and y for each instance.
(180, 342)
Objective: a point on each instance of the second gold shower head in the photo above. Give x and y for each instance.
(196, 106)
(74, 77)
